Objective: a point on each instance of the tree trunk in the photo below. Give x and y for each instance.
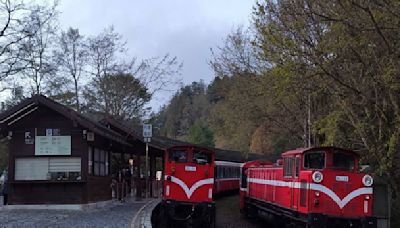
(76, 95)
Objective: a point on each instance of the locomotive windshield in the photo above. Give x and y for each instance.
(201, 157)
(343, 161)
(314, 160)
(179, 156)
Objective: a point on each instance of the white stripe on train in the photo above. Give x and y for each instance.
(317, 187)
(189, 191)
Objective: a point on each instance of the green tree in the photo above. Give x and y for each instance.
(201, 134)
(18, 24)
(189, 104)
(36, 49)
(119, 95)
(71, 57)
(340, 59)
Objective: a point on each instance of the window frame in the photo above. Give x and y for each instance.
(208, 154)
(288, 167)
(90, 160)
(315, 152)
(343, 153)
(100, 162)
(178, 150)
(297, 166)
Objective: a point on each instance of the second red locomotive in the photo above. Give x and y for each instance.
(314, 187)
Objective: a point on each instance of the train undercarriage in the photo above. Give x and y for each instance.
(184, 214)
(284, 217)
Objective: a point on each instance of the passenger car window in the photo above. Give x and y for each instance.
(314, 160)
(179, 156)
(201, 158)
(343, 161)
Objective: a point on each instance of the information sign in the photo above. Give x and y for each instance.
(147, 130)
(52, 145)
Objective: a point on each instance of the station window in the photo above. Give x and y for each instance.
(100, 162)
(46, 168)
(96, 162)
(90, 160)
(179, 156)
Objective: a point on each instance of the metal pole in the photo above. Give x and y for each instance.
(147, 170)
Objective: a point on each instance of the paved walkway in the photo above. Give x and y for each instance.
(113, 215)
(143, 217)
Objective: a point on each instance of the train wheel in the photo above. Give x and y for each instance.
(164, 220)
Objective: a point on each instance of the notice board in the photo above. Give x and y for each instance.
(52, 145)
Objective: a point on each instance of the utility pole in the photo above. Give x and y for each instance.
(309, 120)
(147, 170)
(147, 134)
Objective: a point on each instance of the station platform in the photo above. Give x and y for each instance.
(142, 219)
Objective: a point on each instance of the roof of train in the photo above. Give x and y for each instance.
(228, 163)
(303, 150)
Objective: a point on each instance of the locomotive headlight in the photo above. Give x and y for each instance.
(367, 180)
(317, 177)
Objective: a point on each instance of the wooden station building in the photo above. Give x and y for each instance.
(56, 155)
(59, 156)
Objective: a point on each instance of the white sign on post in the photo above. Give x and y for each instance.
(147, 131)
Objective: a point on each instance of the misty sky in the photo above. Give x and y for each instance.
(184, 28)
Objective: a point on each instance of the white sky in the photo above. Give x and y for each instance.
(184, 28)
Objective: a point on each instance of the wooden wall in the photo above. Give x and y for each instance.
(89, 189)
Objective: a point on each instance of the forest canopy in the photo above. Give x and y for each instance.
(305, 73)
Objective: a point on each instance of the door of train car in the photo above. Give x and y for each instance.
(295, 190)
(291, 176)
(288, 174)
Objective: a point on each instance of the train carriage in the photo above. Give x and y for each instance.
(314, 187)
(226, 177)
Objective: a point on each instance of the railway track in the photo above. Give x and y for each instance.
(228, 215)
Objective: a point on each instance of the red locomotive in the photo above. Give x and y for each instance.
(314, 187)
(188, 186)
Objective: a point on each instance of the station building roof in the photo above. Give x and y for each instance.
(162, 143)
(108, 128)
(30, 105)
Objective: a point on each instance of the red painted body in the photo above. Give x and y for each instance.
(290, 186)
(188, 181)
(243, 169)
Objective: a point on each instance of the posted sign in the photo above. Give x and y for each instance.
(53, 145)
(147, 131)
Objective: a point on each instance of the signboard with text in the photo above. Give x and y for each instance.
(53, 145)
(147, 131)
